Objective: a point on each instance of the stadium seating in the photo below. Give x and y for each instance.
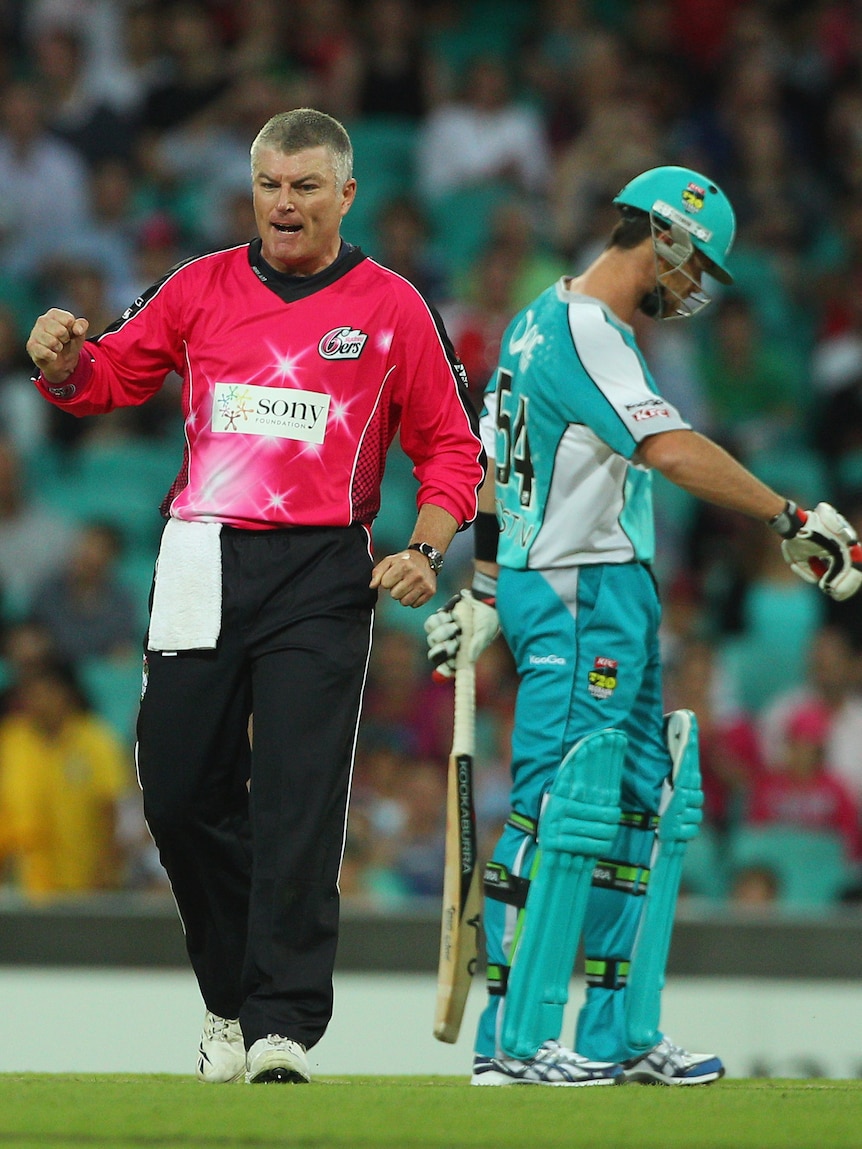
(461, 224)
(385, 167)
(114, 688)
(771, 654)
(121, 482)
(810, 865)
(704, 871)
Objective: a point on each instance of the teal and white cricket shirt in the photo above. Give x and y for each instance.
(571, 400)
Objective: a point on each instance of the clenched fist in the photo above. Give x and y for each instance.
(55, 343)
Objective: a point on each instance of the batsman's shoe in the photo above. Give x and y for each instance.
(276, 1059)
(670, 1064)
(221, 1053)
(552, 1065)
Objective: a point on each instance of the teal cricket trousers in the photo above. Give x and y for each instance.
(585, 641)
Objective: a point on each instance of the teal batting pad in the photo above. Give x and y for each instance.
(680, 820)
(578, 823)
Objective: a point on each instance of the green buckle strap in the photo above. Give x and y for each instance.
(606, 973)
(502, 886)
(638, 821)
(497, 979)
(522, 822)
(628, 879)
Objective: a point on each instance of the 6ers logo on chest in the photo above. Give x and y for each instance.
(342, 343)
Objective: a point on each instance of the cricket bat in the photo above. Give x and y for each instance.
(462, 881)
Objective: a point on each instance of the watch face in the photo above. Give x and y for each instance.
(433, 556)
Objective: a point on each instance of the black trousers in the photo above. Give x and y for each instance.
(252, 839)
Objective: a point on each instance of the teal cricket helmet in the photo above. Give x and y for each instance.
(689, 200)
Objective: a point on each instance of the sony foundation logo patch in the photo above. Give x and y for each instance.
(342, 343)
(278, 412)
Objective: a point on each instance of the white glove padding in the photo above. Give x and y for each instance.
(826, 551)
(443, 629)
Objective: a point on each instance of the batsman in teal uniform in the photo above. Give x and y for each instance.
(605, 787)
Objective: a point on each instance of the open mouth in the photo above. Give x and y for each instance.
(287, 228)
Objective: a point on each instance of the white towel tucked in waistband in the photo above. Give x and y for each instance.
(186, 612)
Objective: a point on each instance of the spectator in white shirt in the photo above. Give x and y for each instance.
(485, 136)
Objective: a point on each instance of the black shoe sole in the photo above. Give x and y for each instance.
(281, 1076)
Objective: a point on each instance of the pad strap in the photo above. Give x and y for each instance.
(503, 886)
(628, 879)
(497, 978)
(606, 973)
(636, 820)
(522, 822)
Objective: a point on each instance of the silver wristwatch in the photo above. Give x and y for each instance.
(434, 557)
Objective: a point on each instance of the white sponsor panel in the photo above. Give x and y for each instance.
(279, 412)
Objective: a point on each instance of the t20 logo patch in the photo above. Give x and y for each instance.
(342, 343)
(602, 679)
(693, 197)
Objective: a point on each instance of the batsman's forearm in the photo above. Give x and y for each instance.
(707, 471)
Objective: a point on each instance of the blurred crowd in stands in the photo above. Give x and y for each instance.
(490, 138)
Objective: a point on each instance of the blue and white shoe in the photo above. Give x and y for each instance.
(552, 1065)
(670, 1064)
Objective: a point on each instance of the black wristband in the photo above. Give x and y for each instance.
(486, 534)
(788, 521)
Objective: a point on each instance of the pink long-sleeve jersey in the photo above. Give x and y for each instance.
(293, 389)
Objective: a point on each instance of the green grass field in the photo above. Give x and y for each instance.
(66, 1111)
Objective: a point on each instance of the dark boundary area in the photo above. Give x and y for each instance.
(145, 932)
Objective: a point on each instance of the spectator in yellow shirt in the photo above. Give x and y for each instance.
(61, 773)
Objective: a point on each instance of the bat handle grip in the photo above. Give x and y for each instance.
(464, 737)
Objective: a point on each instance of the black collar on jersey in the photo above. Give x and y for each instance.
(293, 287)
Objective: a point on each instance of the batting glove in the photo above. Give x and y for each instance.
(822, 548)
(443, 627)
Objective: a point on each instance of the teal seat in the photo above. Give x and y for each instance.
(704, 869)
(810, 865)
(394, 524)
(799, 474)
(384, 164)
(770, 655)
(114, 688)
(849, 470)
(462, 222)
(483, 28)
(152, 463)
(121, 482)
(135, 571)
(125, 504)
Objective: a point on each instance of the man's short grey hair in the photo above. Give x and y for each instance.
(303, 128)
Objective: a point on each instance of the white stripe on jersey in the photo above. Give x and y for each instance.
(617, 370)
(581, 522)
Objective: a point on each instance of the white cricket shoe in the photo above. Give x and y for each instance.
(276, 1059)
(670, 1064)
(552, 1065)
(221, 1053)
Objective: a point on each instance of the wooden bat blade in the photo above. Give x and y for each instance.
(462, 902)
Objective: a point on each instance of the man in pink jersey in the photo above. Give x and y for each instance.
(301, 358)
